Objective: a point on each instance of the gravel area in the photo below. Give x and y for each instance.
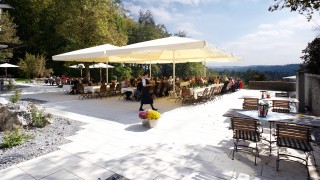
(46, 140)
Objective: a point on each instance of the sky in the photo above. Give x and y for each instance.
(244, 27)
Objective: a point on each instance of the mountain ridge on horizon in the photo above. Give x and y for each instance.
(259, 68)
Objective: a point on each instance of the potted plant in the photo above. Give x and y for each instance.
(149, 118)
(263, 109)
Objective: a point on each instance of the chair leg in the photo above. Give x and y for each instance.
(307, 158)
(257, 154)
(278, 160)
(314, 158)
(235, 148)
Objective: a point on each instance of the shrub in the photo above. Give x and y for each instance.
(15, 137)
(15, 98)
(10, 87)
(39, 118)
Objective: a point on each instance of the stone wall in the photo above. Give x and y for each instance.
(273, 85)
(312, 93)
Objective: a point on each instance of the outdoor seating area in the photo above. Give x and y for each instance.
(185, 94)
(287, 129)
(188, 142)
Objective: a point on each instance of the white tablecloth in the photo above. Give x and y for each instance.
(196, 91)
(91, 89)
(66, 88)
(123, 90)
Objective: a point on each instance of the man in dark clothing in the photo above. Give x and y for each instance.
(145, 92)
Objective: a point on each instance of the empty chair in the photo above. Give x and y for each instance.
(245, 130)
(281, 106)
(294, 137)
(250, 103)
(203, 96)
(186, 96)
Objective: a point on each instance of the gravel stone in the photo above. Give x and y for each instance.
(46, 140)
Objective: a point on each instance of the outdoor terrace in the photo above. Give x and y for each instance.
(190, 142)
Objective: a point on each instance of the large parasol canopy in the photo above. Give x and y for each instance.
(6, 65)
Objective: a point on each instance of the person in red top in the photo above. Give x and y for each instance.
(240, 83)
(63, 79)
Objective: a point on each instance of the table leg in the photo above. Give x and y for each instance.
(270, 138)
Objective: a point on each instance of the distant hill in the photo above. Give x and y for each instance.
(276, 72)
(289, 68)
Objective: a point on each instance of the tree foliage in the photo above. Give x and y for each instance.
(51, 27)
(33, 65)
(306, 7)
(311, 57)
(8, 34)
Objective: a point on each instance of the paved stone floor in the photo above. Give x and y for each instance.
(189, 142)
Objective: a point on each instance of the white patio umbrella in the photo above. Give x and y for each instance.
(78, 66)
(91, 54)
(172, 49)
(100, 66)
(6, 65)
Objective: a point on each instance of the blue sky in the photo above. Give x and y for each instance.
(243, 27)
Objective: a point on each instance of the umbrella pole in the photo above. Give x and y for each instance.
(174, 75)
(6, 73)
(81, 72)
(204, 68)
(150, 69)
(100, 75)
(107, 74)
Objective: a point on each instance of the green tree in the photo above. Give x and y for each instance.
(311, 57)
(32, 65)
(8, 34)
(148, 29)
(306, 7)
(51, 27)
(181, 34)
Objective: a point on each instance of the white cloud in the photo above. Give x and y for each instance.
(265, 26)
(189, 28)
(278, 43)
(164, 13)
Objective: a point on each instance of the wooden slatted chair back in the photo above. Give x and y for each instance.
(281, 106)
(250, 103)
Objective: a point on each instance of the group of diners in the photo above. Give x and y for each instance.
(161, 86)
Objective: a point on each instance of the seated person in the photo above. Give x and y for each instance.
(74, 89)
(230, 85)
(137, 92)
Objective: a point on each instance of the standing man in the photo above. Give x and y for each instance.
(145, 93)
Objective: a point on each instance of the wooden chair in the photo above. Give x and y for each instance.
(281, 106)
(283, 94)
(118, 89)
(103, 91)
(212, 96)
(245, 130)
(250, 103)
(112, 89)
(177, 96)
(83, 94)
(295, 137)
(186, 96)
(203, 96)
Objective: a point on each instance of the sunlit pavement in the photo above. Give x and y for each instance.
(189, 142)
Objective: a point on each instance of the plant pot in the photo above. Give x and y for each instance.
(149, 123)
